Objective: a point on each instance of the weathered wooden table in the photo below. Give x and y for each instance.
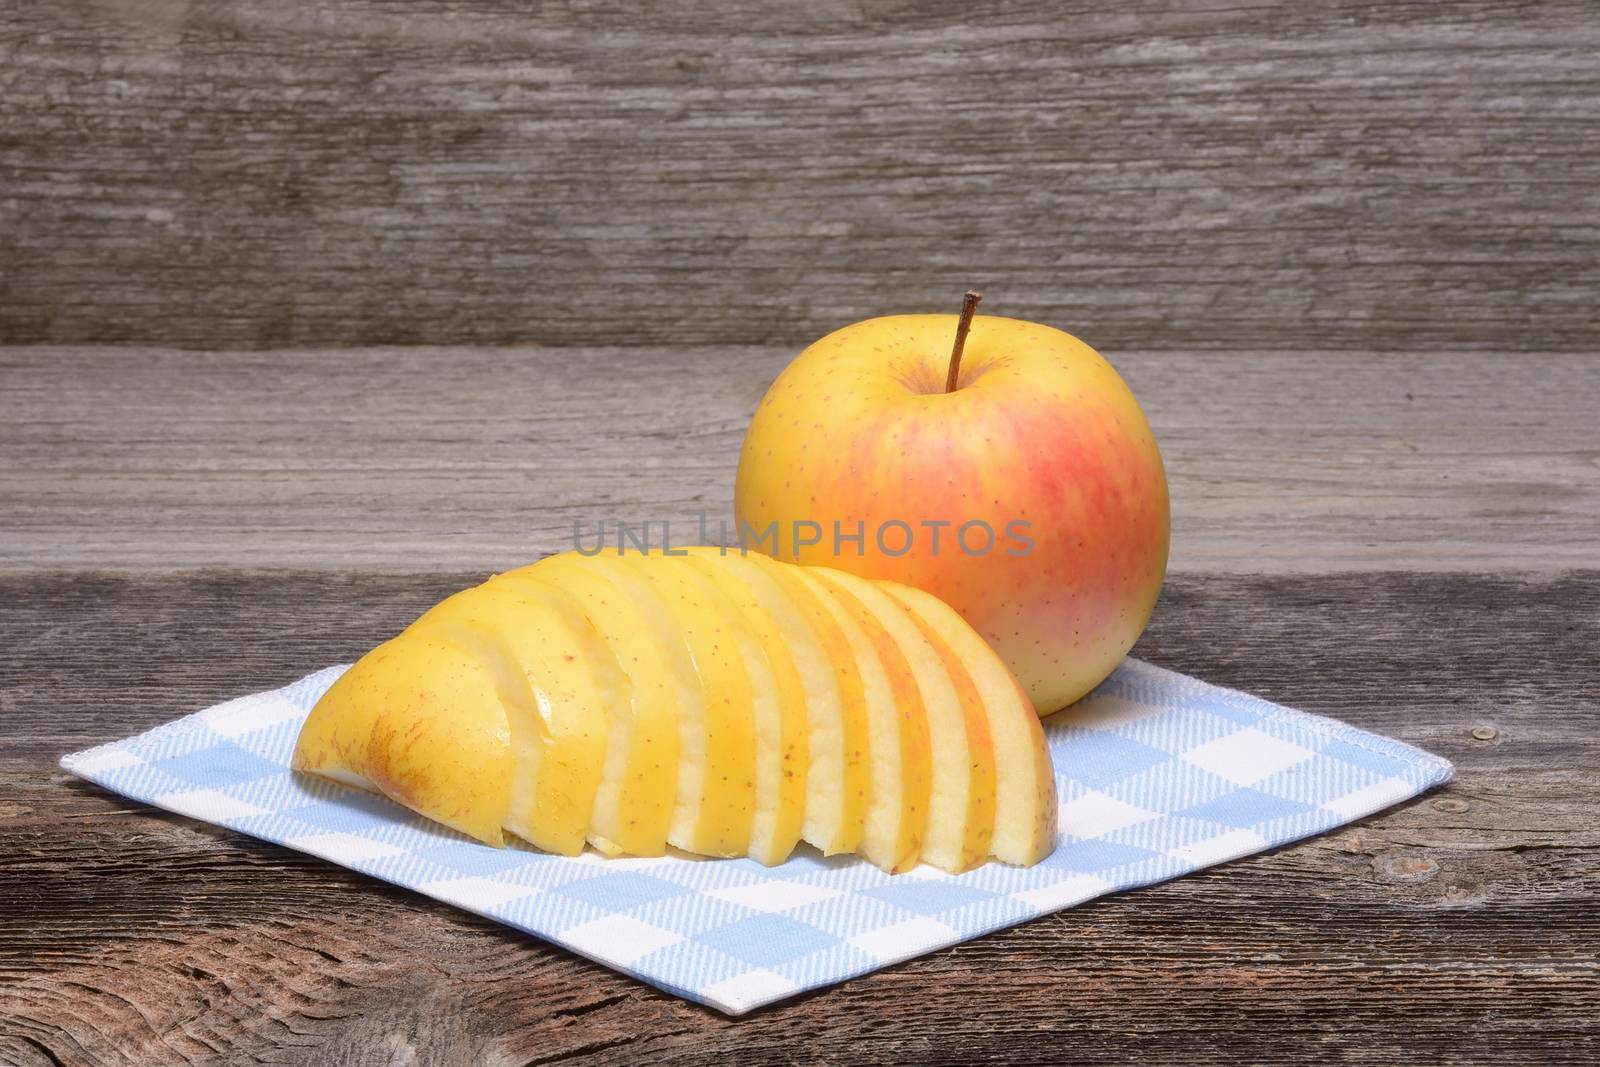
(1345, 252)
(1401, 544)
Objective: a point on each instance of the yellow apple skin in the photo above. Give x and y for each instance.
(1040, 430)
(558, 683)
(379, 727)
(778, 695)
(957, 831)
(633, 808)
(1024, 796)
(898, 746)
(978, 818)
(717, 768)
(839, 786)
(838, 775)
(569, 700)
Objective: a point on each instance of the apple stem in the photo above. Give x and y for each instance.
(969, 304)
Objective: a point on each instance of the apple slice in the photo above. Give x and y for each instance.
(1025, 781)
(961, 754)
(980, 741)
(898, 744)
(717, 776)
(779, 703)
(455, 769)
(633, 806)
(839, 779)
(558, 682)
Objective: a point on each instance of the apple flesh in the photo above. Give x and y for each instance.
(723, 705)
(717, 790)
(378, 727)
(778, 699)
(898, 745)
(1024, 788)
(1033, 492)
(556, 682)
(839, 776)
(634, 807)
(961, 761)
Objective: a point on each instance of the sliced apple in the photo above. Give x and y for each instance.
(379, 726)
(634, 804)
(778, 701)
(961, 755)
(838, 735)
(558, 682)
(898, 746)
(1025, 782)
(725, 704)
(717, 777)
(980, 741)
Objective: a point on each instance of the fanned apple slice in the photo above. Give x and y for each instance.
(564, 686)
(717, 777)
(778, 700)
(898, 746)
(1025, 782)
(634, 804)
(980, 817)
(839, 780)
(379, 727)
(961, 755)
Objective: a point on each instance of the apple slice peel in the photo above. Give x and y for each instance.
(723, 704)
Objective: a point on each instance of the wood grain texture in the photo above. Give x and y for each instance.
(1152, 175)
(471, 458)
(1458, 928)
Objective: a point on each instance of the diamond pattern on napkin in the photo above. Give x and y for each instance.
(1159, 774)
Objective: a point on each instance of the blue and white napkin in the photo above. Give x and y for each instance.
(1159, 775)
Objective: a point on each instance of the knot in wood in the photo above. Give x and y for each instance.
(1400, 867)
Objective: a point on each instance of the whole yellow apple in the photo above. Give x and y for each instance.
(1014, 476)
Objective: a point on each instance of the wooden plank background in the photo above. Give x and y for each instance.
(1204, 174)
(312, 311)
(471, 458)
